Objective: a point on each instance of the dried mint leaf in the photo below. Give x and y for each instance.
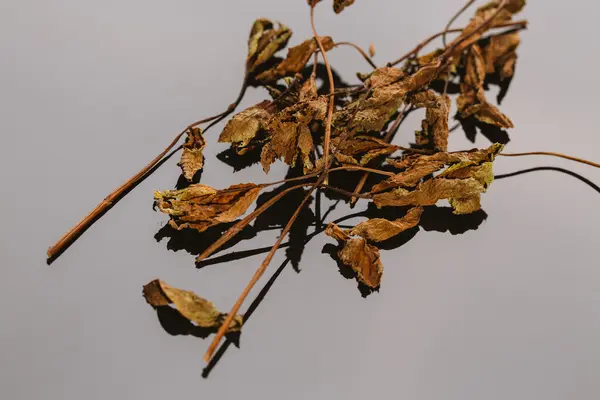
(389, 87)
(361, 149)
(244, 127)
(193, 307)
(339, 5)
(472, 99)
(289, 135)
(418, 167)
(434, 131)
(200, 207)
(356, 253)
(380, 229)
(501, 54)
(192, 158)
(264, 41)
(296, 59)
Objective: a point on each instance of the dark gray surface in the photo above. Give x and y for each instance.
(90, 91)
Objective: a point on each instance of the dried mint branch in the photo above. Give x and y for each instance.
(321, 132)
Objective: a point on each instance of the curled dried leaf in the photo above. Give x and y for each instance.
(472, 101)
(419, 167)
(356, 253)
(296, 59)
(380, 229)
(434, 131)
(290, 136)
(501, 54)
(389, 87)
(193, 307)
(200, 207)
(242, 130)
(361, 149)
(192, 158)
(430, 192)
(264, 41)
(339, 5)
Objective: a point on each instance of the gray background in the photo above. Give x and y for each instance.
(90, 91)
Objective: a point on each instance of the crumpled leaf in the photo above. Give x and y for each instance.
(244, 127)
(389, 86)
(356, 253)
(430, 192)
(380, 229)
(461, 183)
(296, 59)
(264, 41)
(192, 158)
(434, 131)
(361, 149)
(200, 206)
(193, 307)
(501, 54)
(339, 5)
(290, 135)
(472, 99)
(419, 167)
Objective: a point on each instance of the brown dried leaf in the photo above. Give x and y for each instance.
(389, 86)
(193, 307)
(361, 149)
(472, 99)
(290, 136)
(380, 229)
(200, 207)
(264, 41)
(362, 257)
(192, 159)
(339, 5)
(435, 125)
(500, 54)
(244, 127)
(296, 59)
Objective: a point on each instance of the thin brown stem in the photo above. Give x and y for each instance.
(84, 223)
(359, 168)
(458, 14)
(327, 137)
(360, 50)
(549, 153)
(448, 53)
(458, 30)
(108, 201)
(223, 328)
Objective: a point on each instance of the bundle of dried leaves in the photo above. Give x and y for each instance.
(323, 132)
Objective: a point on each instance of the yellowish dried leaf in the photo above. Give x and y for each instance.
(193, 307)
(244, 127)
(264, 41)
(430, 192)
